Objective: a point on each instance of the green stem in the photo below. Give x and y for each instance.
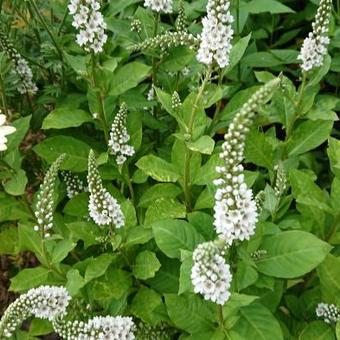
(63, 22)
(296, 115)
(219, 104)
(220, 316)
(188, 153)
(154, 61)
(100, 97)
(3, 96)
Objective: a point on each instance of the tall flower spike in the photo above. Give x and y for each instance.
(74, 185)
(328, 312)
(21, 67)
(103, 208)
(314, 48)
(235, 209)
(167, 40)
(100, 327)
(164, 6)
(5, 130)
(210, 274)
(45, 302)
(217, 34)
(181, 22)
(90, 22)
(119, 137)
(46, 200)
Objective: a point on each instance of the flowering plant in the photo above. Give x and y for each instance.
(169, 169)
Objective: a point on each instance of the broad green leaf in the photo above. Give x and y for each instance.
(164, 208)
(127, 77)
(146, 265)
(237, 52)
(65, 117)
(204, 144)
(85, 231)
(29, 278)
(333, 152)
(317, 330)
(74, 281)
(76, 151)
(9, 241)
(207, 173)
(98, 266)
(259, 150)
(256, 322)
(308, 135)
(77, 205)
(271, 58)
(138, 235)
(185, 284)
(291, 254)
(21, 125)
(16, 185)
(162, 190)
(173, 235)
(77, 63)
(329, 274)
(146, 304)
(271, 6)
(40, 327)
(61, 250)
(191, 313)
(158, 169)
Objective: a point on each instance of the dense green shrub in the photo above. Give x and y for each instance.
(170, 169)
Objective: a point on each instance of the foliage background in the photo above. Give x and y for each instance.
(144, 269)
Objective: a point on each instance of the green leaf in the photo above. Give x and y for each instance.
(78, 63)
(85, 231)
(127, 77)
(162, 190)
(164, 208)
(77, 205)
(138, 235)
(16, 185)
(256, 322)
(262, 6)
(317, 330)
(76, 151)
(65, 117)
(308, 135)
(207, 173)
(29, 278)
(204, 144)
(98, 266)
(61, 250)
(22, 125)
(145, 305)
(191, 313)
(237, 52)
(185, 284)
(329, 274)
(333, 152)
(74, 281)
(291, 254)
(9, 241)
(158, 169)
(146, 265)
(173, 235)
(259, 150)
(40, 327)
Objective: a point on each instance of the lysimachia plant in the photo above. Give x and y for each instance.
(169, 169)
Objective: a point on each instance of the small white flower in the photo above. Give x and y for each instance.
(314, 48)
(328, 312)
(217, 34)
(210, 274)
(164, 6)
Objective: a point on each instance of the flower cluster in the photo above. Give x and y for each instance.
(210, 274)
(45, 302)
(21, 67)
(328, 312)
(167, 40)
(46, 199)
(107, 327)
(119, 137)
(164, 6)
(181, 21)
(5, 130)
(235, 209)
(74, 185)
(90, 22)
(136, 26)
(280, 181)
(175, 100)
(314, 47)
(217, 34)
(103, 208)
